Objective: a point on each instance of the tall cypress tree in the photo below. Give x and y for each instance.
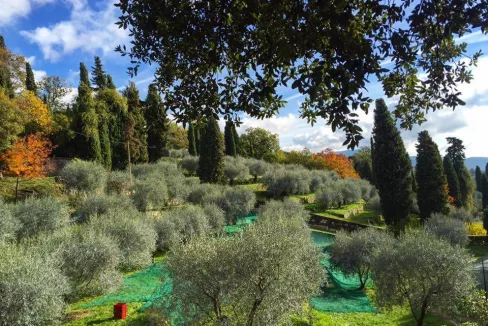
(157, 124)
(104, 133)
(414, 182)
(478, 176)
(211, 162)
(486, 169)
(466, 186)
(392, 169)
(136, 125)
(197, 131)
(484, 191)
(85, 122)
(5, 76)
(192, 146)
(236, 137)
(230, 144)
(30, 82)
(431, 180)
(110, 82)
(452, 180)
(99, 77)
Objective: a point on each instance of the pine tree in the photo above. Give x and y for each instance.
(392, 169)
(466, 186)
(230, 144)
(484, 191)
(192, 146)
(211, 162)
(110, 82)
(431, 180)
(99, 78)
(85, 122)
(30, 82)
(136, 125)
(5, 75)
(452, 180)
(478, 176)
(157, 124)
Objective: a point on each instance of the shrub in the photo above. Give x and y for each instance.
(329, 197)
(8, 223)
(32, 288)
(288, 208)
(190, 164)
(100, 204)
(118, 182)
(90, 263)
(215, 217)
(374, 204)
(281, 182)
(351, 192)
(368, 191)
(323, 179)
(447, 228)
(237, 202)
(133, 234)
(476, 228)
(462, 214)
(84, 176)
(38, 215)
(235, 168)
(257, 168)
(150, 193)
(205, 193)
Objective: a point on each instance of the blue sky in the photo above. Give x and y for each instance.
(56, 35)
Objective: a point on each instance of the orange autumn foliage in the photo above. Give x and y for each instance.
(28, 157)
(451, 200)
(329, 160)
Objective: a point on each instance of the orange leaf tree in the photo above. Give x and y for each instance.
(27, 158)
(329, 160)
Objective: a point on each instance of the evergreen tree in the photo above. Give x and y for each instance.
(484, 191)
(197, 132)
(485, 219)
(99, 77)
(452, 180)
(392, 169)
(486, 169)
(85, 122)
(236, 137)
(431, 180)
(211, 162)
(466, 186)
(136, 125)
(30, 82)
(414, 182)
(110, 82)
(104, 133)
(478, 176)
(192, 146)
(230, 144)
(157, 124)
(5, 75)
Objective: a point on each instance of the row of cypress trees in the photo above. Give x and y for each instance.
(231, 139)
(434, 181)
(482, 185)
(110, 126)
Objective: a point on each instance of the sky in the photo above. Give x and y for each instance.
(56, 35)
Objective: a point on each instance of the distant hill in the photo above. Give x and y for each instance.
(471, 162)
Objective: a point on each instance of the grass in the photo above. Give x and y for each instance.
(478, 250)
(40, 186)
(262, 195)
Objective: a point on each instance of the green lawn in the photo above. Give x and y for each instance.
(39, 186)
(478, 250)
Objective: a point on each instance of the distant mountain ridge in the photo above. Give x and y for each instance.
(471, 162)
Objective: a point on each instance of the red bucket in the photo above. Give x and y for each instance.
(120, 310)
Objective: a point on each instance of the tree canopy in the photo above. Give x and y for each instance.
(222, 57)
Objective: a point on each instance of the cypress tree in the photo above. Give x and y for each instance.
(110, 82)
(484, 191)
(157, 124)
(85, 122)
(466, 186)
(192, 146)
(392, 169)
(5, 76)
(431, 180)
(486, 169)
(211, 162)
(104, 133)
(478, 176)
(414, 182)
(236, 137)
(452, 180)
(485, 219)
(30, 82)
(230, 144)
(197, 132)
(99, 78)
(136, 125)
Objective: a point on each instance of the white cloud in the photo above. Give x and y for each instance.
(87, 30)
(31, 60)
(473, 38)
(39, 74)
(11, 10)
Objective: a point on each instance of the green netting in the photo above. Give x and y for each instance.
(153, 286)
(241, 223)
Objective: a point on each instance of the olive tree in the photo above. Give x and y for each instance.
(258, 168)
(215, 217)
(32, 288)
(8, 223)
(275, 209)
(259, 278)
(190, 164)
(323, 179)
(424, 271)
(150, 193)
(453, 230)
(37, 215)
(235, 168)
(236, 202)
(118, 182)
(97, 204)
(133, 234)
(285, 182)
(352, 253)
(374, 204)
(462, 214)
(84, 176)
(329, 197)
(350, 190)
